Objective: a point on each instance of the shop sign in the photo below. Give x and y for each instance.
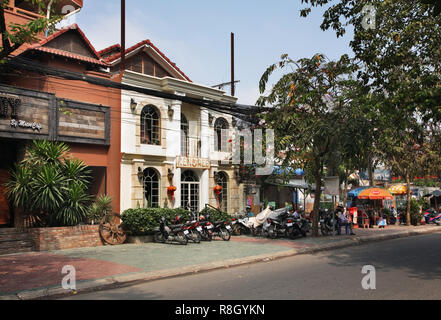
(9, 105)
(195, 163)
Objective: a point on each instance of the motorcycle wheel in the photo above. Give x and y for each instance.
(237, 230)
(272, 232)
(225, 234)
(195, 237)
(324, 231)
(182, 238)
(158, 237)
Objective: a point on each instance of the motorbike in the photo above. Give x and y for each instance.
(242, 225)
(166, 233)
(205, 229)
(190, 226)
(432, 217)
(222, 229)
(328, 222)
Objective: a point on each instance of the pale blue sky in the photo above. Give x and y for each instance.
(195, 34)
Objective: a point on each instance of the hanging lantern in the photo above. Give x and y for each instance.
(218, 190)
(171, 191)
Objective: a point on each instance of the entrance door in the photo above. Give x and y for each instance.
(5, 215)
(190, 190)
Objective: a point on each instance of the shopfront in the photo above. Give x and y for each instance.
(27, 115)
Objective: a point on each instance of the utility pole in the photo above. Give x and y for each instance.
(123, 36)
(232, 65)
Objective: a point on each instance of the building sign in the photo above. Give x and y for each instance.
(29, 114)
(195, 163)
(24, 114)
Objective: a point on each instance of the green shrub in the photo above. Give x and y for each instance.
(215, 215)
(415, 212)
(143, 221)
(101, 207)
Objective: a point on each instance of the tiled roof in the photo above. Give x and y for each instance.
(40, 46)
(138, 45)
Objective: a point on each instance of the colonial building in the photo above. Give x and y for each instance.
(172, 150)
(34, 105)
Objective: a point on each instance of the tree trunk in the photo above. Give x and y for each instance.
(317, 194)
(370, 172)
(408, 198)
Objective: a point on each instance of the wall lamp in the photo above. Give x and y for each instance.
(133, 104)
(171, 112)
(170, 175)
(140, 174)
(210, 118)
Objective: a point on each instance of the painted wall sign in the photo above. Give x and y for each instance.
(23, 124)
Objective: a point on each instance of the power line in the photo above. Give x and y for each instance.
(244, 112)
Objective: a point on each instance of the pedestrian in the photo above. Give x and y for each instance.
(344, 219)
(394, 214)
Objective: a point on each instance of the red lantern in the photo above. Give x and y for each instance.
(218, 190)
(171, 191)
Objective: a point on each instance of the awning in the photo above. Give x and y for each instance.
(370, 193)
(375, 194)
(436, 193)
(398, 189)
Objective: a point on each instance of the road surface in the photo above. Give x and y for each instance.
(408, 268)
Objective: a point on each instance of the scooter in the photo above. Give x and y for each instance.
(171, 233)
(190, 226)
(328, 223)
(432, 217)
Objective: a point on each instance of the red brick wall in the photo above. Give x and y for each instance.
(65, 237)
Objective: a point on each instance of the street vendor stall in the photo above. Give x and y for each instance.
(370, 200)
(400, 193)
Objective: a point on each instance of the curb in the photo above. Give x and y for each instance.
(137, 278)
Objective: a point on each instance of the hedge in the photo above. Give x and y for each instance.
(143, 221)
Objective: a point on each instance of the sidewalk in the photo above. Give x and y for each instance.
(37, 275)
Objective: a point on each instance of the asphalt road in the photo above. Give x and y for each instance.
(408, 268)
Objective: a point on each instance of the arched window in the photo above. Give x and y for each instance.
(222, 180)
(150, 125)
(151, 188)
(190, 190)
(220, 135)
(184, 136)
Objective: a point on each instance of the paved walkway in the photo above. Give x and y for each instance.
(39, 274)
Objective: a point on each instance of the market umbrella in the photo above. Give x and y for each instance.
(375, 194)
(355, 192)
(398, 189)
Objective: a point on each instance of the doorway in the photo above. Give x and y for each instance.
(190, 190)
(8, 156)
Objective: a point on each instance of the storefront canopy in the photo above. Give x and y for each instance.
(398, 189)
(436, 193)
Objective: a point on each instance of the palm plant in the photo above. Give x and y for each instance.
(101, 207)
(47, 183)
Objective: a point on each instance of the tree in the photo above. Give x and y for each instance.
(13, 35)
(305, 115)
(401, 58)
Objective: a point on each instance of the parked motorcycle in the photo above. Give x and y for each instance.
(205, 229)
(190, 226)
(432, 217)
(222, 229)
(166, 233)
(328, 222)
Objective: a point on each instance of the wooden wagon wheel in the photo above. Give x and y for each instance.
(111, 230)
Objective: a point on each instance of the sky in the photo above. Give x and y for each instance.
(195, 34)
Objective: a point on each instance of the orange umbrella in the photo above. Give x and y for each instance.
(375, 194)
